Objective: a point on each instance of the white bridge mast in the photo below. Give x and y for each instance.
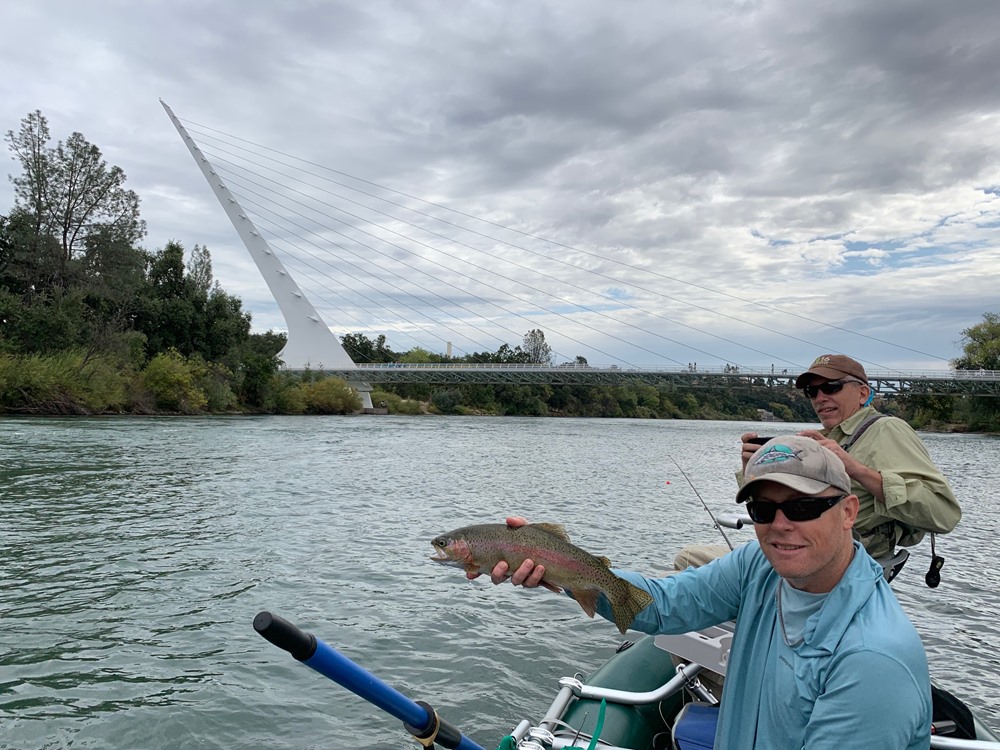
(311, 343)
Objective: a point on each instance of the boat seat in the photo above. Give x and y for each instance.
(694, 727)
(708, 647)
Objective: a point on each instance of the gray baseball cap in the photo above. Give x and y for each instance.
(833, 367)
(797, 462)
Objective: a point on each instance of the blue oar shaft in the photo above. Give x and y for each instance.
(419, 719)
(331, 663)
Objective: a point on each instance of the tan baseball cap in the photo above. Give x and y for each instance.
(797, 462)
(832, 367)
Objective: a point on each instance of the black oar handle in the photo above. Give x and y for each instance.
(285, 635)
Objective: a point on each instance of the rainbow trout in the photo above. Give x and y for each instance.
(478, 549)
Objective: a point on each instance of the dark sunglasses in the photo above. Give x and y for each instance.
(829, 387)
(797, 509)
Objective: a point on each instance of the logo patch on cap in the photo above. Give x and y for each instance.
(778, 454)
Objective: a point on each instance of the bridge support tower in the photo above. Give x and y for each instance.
(311, 343)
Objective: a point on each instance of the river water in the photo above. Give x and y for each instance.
(135, 552)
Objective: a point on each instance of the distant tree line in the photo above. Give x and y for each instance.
(92, 323)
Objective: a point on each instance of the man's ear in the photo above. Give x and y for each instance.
(868, 393)
(851, 505)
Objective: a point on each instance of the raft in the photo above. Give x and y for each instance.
(648, 695)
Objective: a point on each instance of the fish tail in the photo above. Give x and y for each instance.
(629, 602)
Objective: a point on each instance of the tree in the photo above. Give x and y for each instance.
(981, 349)
(507, 356)
(199, 268)
(360, 348)
(112, 269)
(45, 325)
(112, 284)
(981, 345)
(418, 355)
(169, 316)
(32, 189)
(534, 346)
(166, 271)
(225, 326)
(256, 375)
(70, 192)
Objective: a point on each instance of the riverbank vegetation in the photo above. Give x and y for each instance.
(93, 323)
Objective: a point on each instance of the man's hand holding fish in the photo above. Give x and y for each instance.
(528, 574)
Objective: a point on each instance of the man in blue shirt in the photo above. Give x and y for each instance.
(823, 655)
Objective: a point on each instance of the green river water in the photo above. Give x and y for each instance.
(135, 552)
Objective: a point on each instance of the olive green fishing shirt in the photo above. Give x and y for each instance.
(916, 493)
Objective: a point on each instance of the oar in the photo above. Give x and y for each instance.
(418, 717)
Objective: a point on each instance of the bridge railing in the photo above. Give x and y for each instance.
(723, 370)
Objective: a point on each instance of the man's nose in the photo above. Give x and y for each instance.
(781, 521)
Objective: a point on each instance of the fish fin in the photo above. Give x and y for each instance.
(604, 561)
(631, 601)
(587, 598)
(471, 568)
(555, 529)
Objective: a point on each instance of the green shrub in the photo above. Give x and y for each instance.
(26, 381)
(407, 406)
(214, 380)
(396, 404)
(378, 396)
(100, 384)
(171, 381)
(781, 411)
(446, 402)
(66, 382)
(290, 399)
(330, 396)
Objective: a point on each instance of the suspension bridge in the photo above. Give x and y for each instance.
(312, 345)
(885, 383)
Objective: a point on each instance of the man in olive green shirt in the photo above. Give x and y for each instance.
(902, 493)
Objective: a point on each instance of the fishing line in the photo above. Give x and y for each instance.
(703, 503)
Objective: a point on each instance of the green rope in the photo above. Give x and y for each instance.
(600, 726)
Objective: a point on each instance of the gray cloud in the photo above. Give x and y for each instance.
(832, 159)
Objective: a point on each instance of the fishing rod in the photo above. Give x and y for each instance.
(704, 505)
(418, 717)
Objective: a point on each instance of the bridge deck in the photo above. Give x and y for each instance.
(886, 383)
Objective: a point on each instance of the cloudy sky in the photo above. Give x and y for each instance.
(752, 182)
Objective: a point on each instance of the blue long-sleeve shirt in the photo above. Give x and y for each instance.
(858, 677)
